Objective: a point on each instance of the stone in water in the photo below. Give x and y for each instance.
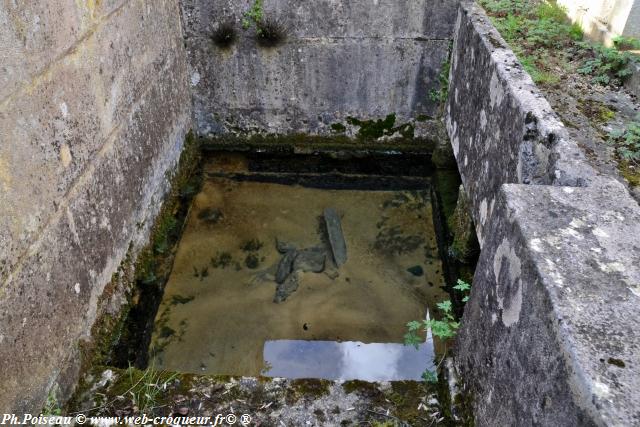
(336, 238)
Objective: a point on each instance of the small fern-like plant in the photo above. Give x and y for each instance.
(253, 16)
(607, 66)
(627, 142)
(444, 328)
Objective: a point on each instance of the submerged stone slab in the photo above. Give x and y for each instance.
(310, 260)
(551, 334)
(285, 266)
(336, 238)
(287, 287)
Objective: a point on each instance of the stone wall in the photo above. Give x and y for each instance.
(94, 106)
(551, 333)
(359, 58)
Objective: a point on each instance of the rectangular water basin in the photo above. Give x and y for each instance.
(223, 312)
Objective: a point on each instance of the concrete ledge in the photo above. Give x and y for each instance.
(550, 334)
(501, 127)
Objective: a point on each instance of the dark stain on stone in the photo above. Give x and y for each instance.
(616, 362)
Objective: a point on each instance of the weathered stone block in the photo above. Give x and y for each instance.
(551, 334)
(501, 128)
(86, 140)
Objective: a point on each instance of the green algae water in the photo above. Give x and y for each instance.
(218, 314)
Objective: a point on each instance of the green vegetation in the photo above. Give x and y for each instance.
(606, 65)
(443, 79)
(147, 387)
(253, 16)
(166, 233)
(270, 32)
(626, 43)
(51, 406)
(543, 38)
(532, 29)
(463, 287)
(374, 129)
(306, 388)
(598, 112)
(364, 387)
(140, 391)
(444, 328)
(627, 143)
(548, 45)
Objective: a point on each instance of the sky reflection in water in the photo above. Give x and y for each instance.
(347, 360)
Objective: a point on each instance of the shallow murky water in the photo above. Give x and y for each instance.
(218, 314)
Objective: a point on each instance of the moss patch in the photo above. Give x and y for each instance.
(597, 112)
(306, 388)
(405, 396)
(631, 173)
(375, 129)
(363, 387)
(338, 128)
(465, 243)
